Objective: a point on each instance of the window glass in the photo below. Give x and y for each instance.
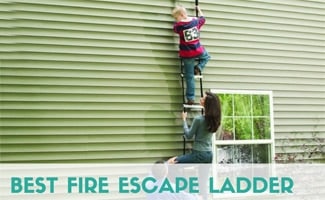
(246, 129)
(246, 116)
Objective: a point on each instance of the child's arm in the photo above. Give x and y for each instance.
(200, 13)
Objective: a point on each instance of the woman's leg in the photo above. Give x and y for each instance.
(195, 157)
(204, 159)
(187, 158)
(205, 172)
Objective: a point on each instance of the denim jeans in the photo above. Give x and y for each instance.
(204, 158)
(189, 64)
(195, 157)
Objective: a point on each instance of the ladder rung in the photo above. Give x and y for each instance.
(194, 106)
(195, 76)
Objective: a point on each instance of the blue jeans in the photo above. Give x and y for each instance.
(204, 169)
(195, 157)
(189, 64)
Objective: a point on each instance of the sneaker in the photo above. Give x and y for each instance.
(190, 102)
(197, 71)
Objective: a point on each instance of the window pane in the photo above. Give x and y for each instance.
(243, 129)
(242, 105)
(226, 104)
(261, 153)
(246, 116)
(261, 105)
(256, 153)
(228, 124)
(262, 128)
(246, 123)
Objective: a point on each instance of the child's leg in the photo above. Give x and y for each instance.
(204, 58)
(189, 77)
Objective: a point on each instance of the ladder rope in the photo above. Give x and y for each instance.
(182, 76)
(196, 11)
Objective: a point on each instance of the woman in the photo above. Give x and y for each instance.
(202, 128)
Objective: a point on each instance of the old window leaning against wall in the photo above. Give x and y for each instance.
(246, 134)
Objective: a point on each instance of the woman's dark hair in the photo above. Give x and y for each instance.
(212, 108)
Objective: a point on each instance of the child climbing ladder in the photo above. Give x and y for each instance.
(190, 48)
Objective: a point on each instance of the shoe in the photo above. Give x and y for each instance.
(190, 102)
(197, 71)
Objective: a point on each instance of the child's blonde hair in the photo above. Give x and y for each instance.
(179, 10)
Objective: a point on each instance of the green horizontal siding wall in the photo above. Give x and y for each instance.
(97, 81)
(89, 81)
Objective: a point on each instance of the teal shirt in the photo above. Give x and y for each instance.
(198, 130)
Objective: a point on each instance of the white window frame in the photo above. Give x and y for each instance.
(270, 141)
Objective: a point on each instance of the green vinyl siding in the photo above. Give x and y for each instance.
(97, 81)
(89, 81)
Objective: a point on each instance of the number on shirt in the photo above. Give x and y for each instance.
(191, 34)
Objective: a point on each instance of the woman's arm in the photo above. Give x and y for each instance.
(190, 132)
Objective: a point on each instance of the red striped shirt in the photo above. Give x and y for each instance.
(189, 37)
